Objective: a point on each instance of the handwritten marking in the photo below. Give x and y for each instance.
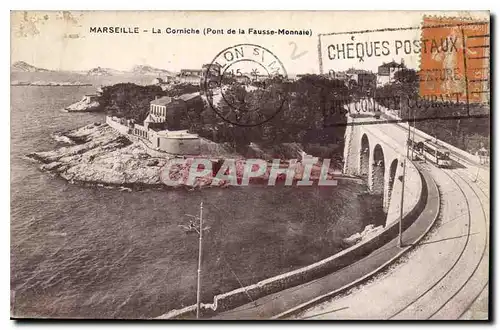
(296, 56)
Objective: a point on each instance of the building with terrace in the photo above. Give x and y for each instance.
(154, 132)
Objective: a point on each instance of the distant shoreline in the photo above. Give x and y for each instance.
(50, 84)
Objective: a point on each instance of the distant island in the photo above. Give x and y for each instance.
(25, 74)
(21, 66)
(48, 83)
(144, 70)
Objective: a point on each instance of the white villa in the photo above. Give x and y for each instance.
(153, 133)
(387, 72)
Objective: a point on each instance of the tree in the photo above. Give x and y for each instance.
(129, 100)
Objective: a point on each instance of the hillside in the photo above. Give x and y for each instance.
(142, 70)
(103, 72)
(21, 66)
(152, 71)
(137, 70)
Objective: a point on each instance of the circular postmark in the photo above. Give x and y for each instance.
(244, 85)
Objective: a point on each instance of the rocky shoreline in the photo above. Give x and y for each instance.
(88, 103)
(97, 155)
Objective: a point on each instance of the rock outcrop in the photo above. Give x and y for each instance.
(369, 232)
(99, 72)
(88, 103)
(151, 71)
(100, 155)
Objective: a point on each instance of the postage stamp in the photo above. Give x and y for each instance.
(463, 64)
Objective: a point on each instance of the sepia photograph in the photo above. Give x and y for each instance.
(250, 165)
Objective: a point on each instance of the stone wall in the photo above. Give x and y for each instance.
(113, 122)
(180, 146)
(351, 149)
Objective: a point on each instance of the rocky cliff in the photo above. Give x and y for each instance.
(100, 155)
(88, 103)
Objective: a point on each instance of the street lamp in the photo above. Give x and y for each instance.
(401, 211)
(192, 227)
(402, 179)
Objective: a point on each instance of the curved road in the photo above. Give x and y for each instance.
(444, 274)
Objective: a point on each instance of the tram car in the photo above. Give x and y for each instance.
(433, 152)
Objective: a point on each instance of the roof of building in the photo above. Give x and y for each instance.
(153, 119)
(435, 145)
(180, 134)
(187, 97)
(189, 76)
(190, 72)
(208, 65)
(392, 64)
(358, 71)
(162, 100)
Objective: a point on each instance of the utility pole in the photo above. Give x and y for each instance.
(198, 288)
(402, 178)
(401, 211)
(199, 230)
(413, 139)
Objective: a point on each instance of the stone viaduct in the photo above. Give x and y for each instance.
(376, 152)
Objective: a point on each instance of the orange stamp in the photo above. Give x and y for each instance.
(455, 59)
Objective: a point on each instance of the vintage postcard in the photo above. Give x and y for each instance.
(250, 165)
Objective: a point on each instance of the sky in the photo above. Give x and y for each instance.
(63, 41)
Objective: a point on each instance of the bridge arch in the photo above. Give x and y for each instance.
(392, 177)
(378, 170)
(364, 156)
